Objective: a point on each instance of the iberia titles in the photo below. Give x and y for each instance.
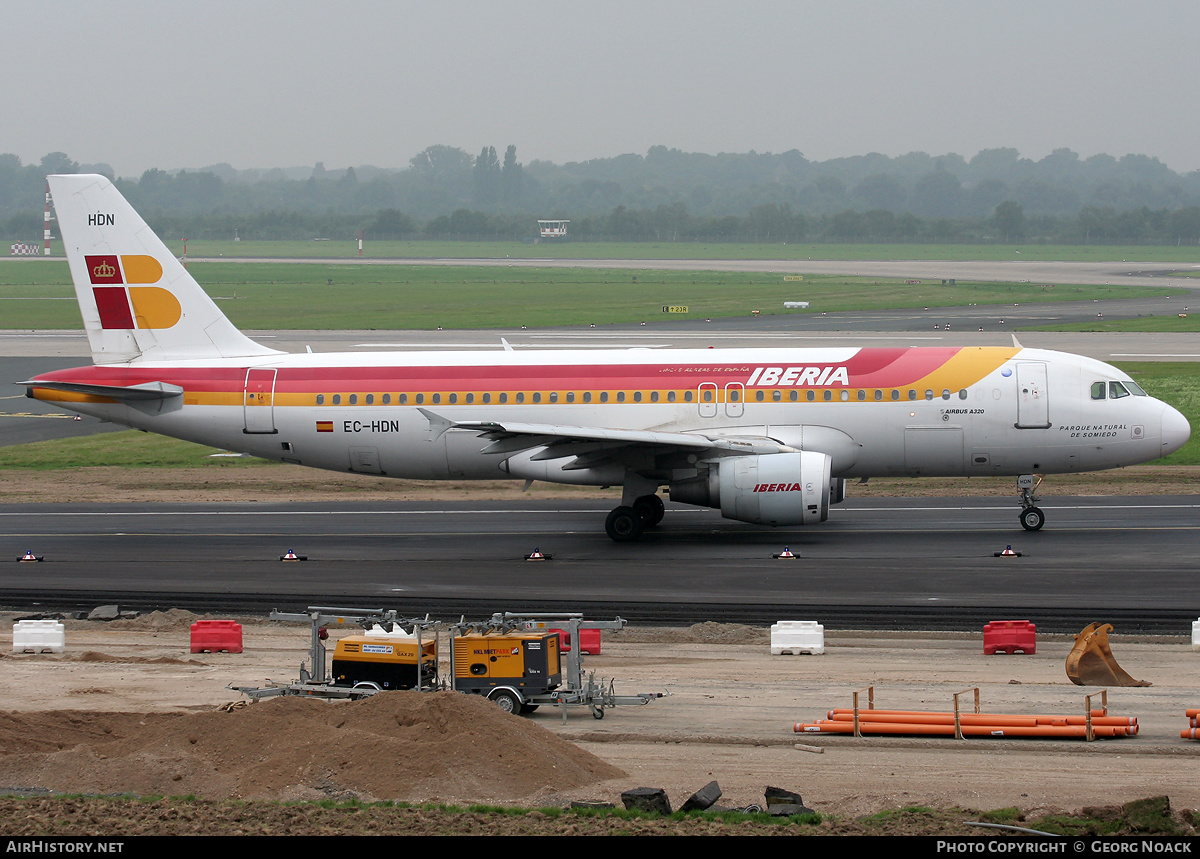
(800, 377)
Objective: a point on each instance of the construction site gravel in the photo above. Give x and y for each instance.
(128, 709)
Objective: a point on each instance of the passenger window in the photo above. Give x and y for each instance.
(404, 399)
(670, 396)
(587, 396)
(320, 399)
(777, 395)
(810, 395)
(1098, 390)
(370, 399)
(354, 398)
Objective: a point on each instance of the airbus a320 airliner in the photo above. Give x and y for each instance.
(767, 436)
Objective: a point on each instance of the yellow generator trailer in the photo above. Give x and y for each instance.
(385, 662)
(510, 668)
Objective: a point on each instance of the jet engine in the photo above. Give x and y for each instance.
(771, 489)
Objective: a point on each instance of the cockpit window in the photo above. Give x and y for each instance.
(1135, 389)
(1099, 389)
(1116, 390)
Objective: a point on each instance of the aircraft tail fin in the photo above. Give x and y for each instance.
(138, 301)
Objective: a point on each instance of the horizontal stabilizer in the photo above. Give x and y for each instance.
(132, 393)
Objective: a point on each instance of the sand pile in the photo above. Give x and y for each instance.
(403, 746)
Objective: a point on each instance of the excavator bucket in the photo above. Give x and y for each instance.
(1091, 663)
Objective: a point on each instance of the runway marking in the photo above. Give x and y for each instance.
(32, 415)
(592, 509)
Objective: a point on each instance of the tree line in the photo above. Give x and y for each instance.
(666, 195)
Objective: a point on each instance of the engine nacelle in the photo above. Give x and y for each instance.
(774, 489)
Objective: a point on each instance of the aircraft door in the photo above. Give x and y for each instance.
(258, 401)
(1033, 403)
(706, 398)
(735, 396)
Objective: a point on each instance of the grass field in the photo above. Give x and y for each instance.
(1177, 383)
(1189, 324)
(684, 250)
(255, 295)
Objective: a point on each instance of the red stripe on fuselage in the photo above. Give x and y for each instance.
(870, 368)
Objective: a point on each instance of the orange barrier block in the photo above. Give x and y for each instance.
(211, 636)
(1009, 636)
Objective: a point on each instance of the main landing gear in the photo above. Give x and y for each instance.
(1032, 518)
(627, 522)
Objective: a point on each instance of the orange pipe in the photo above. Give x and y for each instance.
(1064, 731)
(978, 718)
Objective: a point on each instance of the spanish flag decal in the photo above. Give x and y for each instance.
(127, 306)
(324, 426)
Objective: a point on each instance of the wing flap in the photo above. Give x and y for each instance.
(511, 437)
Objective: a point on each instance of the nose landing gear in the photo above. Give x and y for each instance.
(1032, 518)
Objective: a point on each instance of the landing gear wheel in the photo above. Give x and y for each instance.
(1032, 519)
(508, 702)
(623, 524)
(651, 509)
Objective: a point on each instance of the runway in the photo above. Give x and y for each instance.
(895, 563)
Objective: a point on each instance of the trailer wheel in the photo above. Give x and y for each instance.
(507, 701)
(597, 712)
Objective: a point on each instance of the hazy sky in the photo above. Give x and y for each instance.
(267, 84)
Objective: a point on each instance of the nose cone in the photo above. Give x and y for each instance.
(1175, 430)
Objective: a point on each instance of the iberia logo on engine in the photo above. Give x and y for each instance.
(778, 487)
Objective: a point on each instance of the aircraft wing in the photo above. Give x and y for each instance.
(562, 441)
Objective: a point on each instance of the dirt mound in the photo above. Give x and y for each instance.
(404, 746)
